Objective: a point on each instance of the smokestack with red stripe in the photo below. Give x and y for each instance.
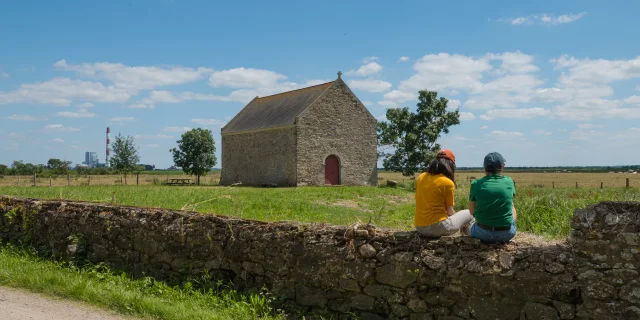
(108, 148)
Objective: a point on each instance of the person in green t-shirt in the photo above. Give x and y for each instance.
(491, 203)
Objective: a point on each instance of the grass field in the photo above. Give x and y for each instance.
(537, 179)
(143, 298)
(543, 211)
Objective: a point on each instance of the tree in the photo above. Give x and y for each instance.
(408, 140)
(58, 166)
(4, 170)
(196, 152)
(125, 155)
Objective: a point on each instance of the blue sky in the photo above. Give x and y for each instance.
(544, 83)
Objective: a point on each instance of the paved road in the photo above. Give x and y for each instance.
(23, 305)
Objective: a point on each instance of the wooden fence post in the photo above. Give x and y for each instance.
(68, 179)
(137, 177)
(18, 181)
(553, 184)
(34, 179)
(88, 180)
(627, 182)
(49, 181)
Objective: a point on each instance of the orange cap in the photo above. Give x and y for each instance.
(447, 154)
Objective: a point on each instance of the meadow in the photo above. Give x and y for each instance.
(543, 211)
(533, 179)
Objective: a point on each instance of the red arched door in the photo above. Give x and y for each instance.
(331, 170)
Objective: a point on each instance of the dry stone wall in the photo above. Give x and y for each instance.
(363, 271)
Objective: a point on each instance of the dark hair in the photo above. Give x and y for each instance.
(492, 169)
(442, 166)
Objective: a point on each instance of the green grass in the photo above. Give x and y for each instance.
(543, 211)
(142, 298)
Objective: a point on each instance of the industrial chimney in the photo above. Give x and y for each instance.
(108, 148)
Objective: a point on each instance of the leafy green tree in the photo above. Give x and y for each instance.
(125, 155)
(196, 152)
(58, 166)
(4, 170)
(407, 140)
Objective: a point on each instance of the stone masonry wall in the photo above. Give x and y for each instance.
(340, 125)
(261, 157)
(373, 273)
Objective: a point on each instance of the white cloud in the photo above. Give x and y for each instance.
(453, 104)
(446, 71)
(382, 117)
(400, 96)
(4, 74)
(465, 116)
(542, 132)
(403, 59)
(369, 59)
(148, 137)
(633, 100)
(138, 77)
(368, 103)
(156, 97)
(121, 120)
(208, 122)
(24, 117)
(368, 69)
(82, 113)
(515, 113)
(59, 128)
(370, 85)
(504, 134)
(590, 109)
(73, 146)
(176, 129)
(64, 91)
(587, 72)
(86, 105)
(388, 104)
(484, 127)
(57, 140)
(514, 62)
(582, 134)
(245, 78)
(544, 19)
(590, 126)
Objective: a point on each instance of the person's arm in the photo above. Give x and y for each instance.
(449, 193)
(450, 211)
(472, 199)
(515, 214)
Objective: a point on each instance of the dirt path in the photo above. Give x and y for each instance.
(23, 305)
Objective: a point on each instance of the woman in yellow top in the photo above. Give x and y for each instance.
(434, 199)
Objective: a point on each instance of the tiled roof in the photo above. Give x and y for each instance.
(277, 110)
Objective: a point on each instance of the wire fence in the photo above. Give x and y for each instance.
(93, 180)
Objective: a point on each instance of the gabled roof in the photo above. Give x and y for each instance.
(276, 110)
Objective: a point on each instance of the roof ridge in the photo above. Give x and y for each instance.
(309, 87)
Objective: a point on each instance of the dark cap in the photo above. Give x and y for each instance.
(493, 160)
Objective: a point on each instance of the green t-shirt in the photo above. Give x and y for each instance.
(494, 200)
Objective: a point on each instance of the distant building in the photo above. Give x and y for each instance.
(317, 135)
(91, 159)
